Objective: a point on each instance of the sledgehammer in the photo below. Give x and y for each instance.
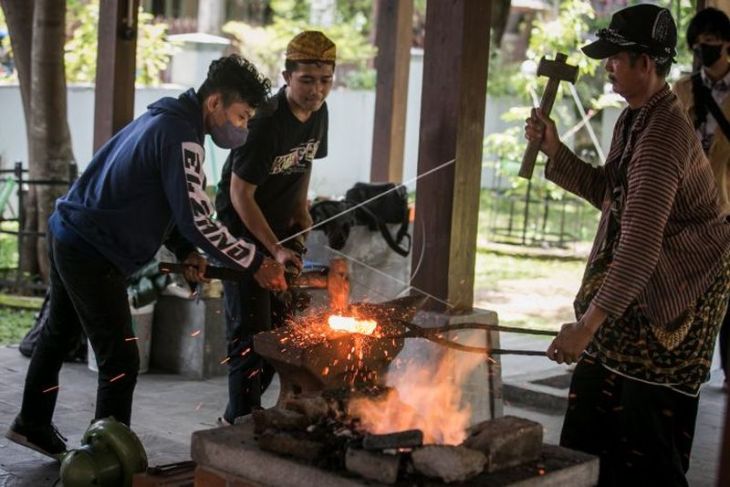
(556, 71)
(335, 279)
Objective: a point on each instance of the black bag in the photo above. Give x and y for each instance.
(78, 350)
(337, 229)
(704, 101)
(389, 205)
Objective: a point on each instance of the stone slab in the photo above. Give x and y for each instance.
(233, 450)
(371, 465)
(506, 441)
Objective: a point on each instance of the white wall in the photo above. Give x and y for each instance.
(350, 136)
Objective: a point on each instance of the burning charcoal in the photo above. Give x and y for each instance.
(374, 466)
(288, 444)
(278, 418)
(449, 463)
(313, 407)
(506, 441)
(401, 439)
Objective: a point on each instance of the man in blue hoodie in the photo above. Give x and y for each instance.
(145, 187)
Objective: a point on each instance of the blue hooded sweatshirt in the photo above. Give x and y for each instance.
(144, 186)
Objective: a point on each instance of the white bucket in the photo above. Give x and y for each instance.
(142, 327)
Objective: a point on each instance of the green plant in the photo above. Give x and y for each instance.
(153, 48)
(6, 53)
(14, 324)
(8, 246)
(265, 46)
(503, 151)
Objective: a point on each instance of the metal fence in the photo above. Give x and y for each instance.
(14, 187)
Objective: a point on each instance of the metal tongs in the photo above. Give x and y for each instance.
(435, 335)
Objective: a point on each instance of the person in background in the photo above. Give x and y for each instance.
(262, 195)
(705, 96)
(143, 188)
(658, 277)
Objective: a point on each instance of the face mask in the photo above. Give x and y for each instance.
(708, 53)
(227, 136)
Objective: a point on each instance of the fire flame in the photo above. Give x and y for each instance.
(424, 396)
(352, 325)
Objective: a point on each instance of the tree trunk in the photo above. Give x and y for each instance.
(19, 16)
(37, 37)
(50, 136)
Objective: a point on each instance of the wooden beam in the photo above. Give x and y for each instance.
(452, 128)
(394, 35)
(115, 68)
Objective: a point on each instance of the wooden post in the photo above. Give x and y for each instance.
(394, 34)
(452, 127)
(115, 68)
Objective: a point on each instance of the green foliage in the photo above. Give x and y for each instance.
(6, 52)
(563, 33)
(14, 324)
(683, 11)
(503, 151)
(153, 48)
(82, 20)
(291, 9)
(8, 246)
(265, 46)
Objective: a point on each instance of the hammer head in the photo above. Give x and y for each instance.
(558, 68)
(338, 284)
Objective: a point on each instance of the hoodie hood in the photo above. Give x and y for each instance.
(186, 106)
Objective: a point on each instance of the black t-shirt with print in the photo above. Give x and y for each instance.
(277, 158)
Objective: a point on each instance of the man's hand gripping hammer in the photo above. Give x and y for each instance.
(556, 71)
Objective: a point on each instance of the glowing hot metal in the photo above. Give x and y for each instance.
(352, 325)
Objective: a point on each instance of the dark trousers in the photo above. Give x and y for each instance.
(641, 432)
(249, 310)
(96, 292)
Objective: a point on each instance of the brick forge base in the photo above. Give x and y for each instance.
(230, 457)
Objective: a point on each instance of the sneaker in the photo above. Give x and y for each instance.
(221, 421)
(43, 439)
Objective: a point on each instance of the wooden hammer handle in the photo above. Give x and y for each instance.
(211, 272)
(546, 106)
(306, 280)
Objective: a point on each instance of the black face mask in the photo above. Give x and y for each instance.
(708, 53)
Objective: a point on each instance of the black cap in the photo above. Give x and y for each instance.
(642, 28)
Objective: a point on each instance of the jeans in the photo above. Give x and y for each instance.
(642, 432)
(95, 291)
(249, 309)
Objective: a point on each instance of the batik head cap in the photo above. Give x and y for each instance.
(311, 45)
(643, 28)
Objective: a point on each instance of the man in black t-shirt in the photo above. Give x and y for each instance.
(262, 195)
